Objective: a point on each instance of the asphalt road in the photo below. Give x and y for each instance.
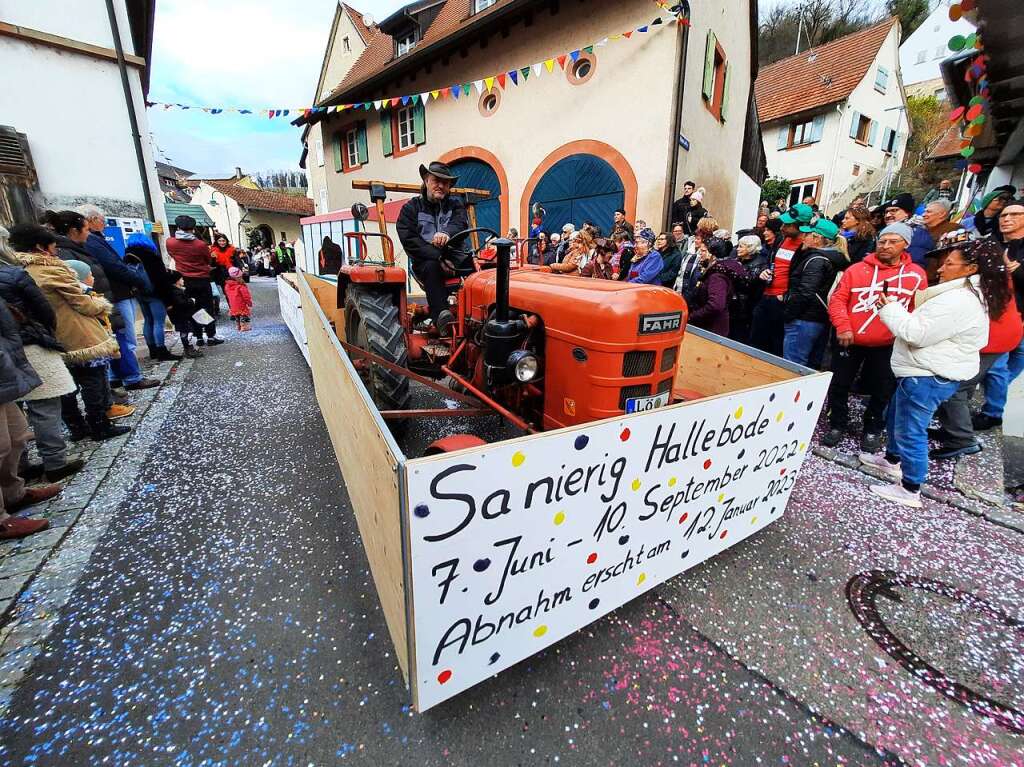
(228, 617)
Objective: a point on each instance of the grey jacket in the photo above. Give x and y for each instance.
(17, 377)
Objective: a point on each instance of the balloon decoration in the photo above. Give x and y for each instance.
(973, 115)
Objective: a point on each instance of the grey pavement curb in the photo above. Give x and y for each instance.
(38, 575)
(997, 516)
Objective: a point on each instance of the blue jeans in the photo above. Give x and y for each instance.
(154, 315)
(804, 342)
(910, 411)
(998, 379)
(126, 369)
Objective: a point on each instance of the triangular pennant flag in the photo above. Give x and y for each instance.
(627, 35)
(501, 80)
(615, 37)
(394, 101)
(561, 61)
(425, 97)
(436, 95)
(285, 112)
(550, 64)
(538, 68)
(489, 82)
(513, 75)
(641, 29)
(405, 101)
(206, 109)
(575, 56)
(456, 91)
(479, 85)
(525, 71)
(307, 113)
(415, 99)
(245, 111)
(589, 49)
(465, 89)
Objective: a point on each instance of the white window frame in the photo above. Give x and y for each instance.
(803, 189)
(802, 137)
(320, 153)
(352, 146)
(482, 5)
(406, 128)
(323, 201)
(406, 44)
(893, 139)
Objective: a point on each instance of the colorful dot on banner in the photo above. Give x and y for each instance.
(960, 164)
(957, 42)
(625, 435)
(753, 520)
(974, 112)
(517, 459)
(791, 425)
(956, 114)
(977, 100)
(771, 397)
(642, 577)
(739, 456)
(739, 413)
(979, 120)
(967, 5)
(955, 13)
(581, 442)
(540, 631)
(592, 558)
(421, 510)
(974, 167)
(797, 397)
(559, 517)
(967, 151)
(803, 446)
(683, 518)
(594, 603)
(965, 143)
(444, 676)
(636, 484)
(481, 564)
(782, 472)
(810, 406)
(494, 658)
(623, 540)
(973, 130)
(722, 536)
(707, 464)
(779, 417)
(671, 481)
(971, 40)
(721, 497)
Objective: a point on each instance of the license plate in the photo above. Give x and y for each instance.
(643, 404)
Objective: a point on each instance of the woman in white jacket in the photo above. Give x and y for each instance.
(936, 349)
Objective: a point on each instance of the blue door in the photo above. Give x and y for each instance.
(475, 174)
(579, 188)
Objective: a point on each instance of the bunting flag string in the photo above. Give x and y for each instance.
(516, 77)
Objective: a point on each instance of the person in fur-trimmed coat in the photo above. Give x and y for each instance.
(82, 328)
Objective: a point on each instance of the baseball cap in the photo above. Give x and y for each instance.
(798, 214)
(822, 226)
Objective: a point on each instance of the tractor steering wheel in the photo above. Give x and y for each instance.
(465, 233)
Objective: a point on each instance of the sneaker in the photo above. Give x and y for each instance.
(109, 431)
(120, 411)
(877, 461)
(943, 453)
(832, 437)
(214, 341)
(871, 442)
(31, 471)
(898, 494)
(984, 422)
(34, 495)
(20, 527)
(193, 354)
(144, 383)
(65, 471)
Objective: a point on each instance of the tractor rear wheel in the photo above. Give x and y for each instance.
(373, 324)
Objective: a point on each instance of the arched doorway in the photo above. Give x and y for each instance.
(579, 188)
(476, 174)
(261, 235)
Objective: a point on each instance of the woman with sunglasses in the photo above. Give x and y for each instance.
(937, 348)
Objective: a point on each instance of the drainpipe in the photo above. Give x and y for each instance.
(677, 112)
(827, 199)
(140, 157)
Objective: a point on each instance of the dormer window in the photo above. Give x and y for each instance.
(482, 5)
(406, 42)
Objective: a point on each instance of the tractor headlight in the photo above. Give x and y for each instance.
(524, 364)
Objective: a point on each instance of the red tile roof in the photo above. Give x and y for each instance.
(356, 18)
(258, 199)
(379, 54)
(797, 84)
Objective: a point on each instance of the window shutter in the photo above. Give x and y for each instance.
(783, 141)
(339, 165)
(854, 124)
(385, 133)
(364, 155)
(725, 91)
(709, 67)
(873, 133)
(818, 128)
(419, 124)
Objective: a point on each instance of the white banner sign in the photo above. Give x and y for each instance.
(523, 543)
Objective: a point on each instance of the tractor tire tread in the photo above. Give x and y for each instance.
(386, 338)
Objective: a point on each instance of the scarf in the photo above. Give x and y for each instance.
(182, 235)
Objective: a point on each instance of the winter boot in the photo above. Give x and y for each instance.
(102, 428)
(246, 327)
(192, 353)
(163, 354)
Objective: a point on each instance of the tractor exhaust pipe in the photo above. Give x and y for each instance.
(504, 248)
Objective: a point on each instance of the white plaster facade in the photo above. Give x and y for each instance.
(836, 166)
(71, 107)
(549, 117)
(236, 221)
(923, 51)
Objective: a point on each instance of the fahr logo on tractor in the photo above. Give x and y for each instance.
(542, 350)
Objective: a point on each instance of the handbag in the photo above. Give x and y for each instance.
(133, 263)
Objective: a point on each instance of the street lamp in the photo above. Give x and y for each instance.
(227, 208)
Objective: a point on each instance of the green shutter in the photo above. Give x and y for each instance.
(419, 124)
(339, 165)
(725, 91)
(709, 68)
(364, 155)
(385, 133)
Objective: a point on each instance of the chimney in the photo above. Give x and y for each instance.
(238, 172)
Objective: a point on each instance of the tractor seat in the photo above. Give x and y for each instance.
(451, 284)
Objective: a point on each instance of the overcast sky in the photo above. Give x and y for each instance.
(238, 53)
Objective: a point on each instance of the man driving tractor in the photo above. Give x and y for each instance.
(425, 226)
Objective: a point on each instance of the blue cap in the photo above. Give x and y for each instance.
(138, 239)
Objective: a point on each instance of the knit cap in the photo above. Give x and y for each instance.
(81, 269)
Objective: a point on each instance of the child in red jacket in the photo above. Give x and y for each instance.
(239, 299)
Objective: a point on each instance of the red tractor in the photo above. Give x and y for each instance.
(542, 350)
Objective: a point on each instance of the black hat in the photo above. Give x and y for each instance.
(186, 223)
(440, 170)
(904, 201)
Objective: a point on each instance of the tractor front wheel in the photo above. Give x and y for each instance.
(372, 323)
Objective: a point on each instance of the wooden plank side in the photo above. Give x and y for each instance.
(369, 467)
(326, 293)
(711, 368)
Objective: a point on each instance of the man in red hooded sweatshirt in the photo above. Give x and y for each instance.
(864, 342)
